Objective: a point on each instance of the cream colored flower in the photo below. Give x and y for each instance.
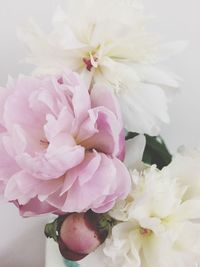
(159, 221)
(156, 227)
(107, 42)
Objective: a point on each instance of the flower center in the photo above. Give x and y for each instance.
(44, 143)
(90, 62)
(145, 232)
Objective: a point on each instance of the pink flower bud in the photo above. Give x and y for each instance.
(78, 234)
(82, 233)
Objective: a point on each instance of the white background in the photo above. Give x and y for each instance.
(22, 243)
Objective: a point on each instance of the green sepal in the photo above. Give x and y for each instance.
(105, 222)
(52, 230)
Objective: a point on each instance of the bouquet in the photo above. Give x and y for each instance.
(80, 140)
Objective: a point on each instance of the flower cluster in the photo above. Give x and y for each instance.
(72, 143)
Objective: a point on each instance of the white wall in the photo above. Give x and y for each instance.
(180, 19)
(22, 241)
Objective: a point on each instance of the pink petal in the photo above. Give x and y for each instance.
(35, 207)
(62, 124)
(108, 136)
(53, 164)
(83, 172)
(123, 187)
(103, 96)
(104, 183)
(80, 100)
(21, 187)
(8, 165)
(4, 93)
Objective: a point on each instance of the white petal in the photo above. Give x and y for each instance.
(134, 151)
(97, 259)
(144, 108)
(155, 75)
(188, 238)
(188, 210)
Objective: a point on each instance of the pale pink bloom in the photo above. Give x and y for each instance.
(61, 148)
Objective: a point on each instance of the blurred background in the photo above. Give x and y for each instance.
(22, 243)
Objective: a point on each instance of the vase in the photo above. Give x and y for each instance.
(54, 258)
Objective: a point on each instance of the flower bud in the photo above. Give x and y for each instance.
(80, 233)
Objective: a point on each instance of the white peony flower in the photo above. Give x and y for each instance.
(186, 165)
(107, 42)
(158, 222)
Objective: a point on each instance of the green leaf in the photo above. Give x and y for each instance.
(156, 151)
(131, 135)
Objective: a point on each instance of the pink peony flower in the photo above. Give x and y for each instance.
(60, 147)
